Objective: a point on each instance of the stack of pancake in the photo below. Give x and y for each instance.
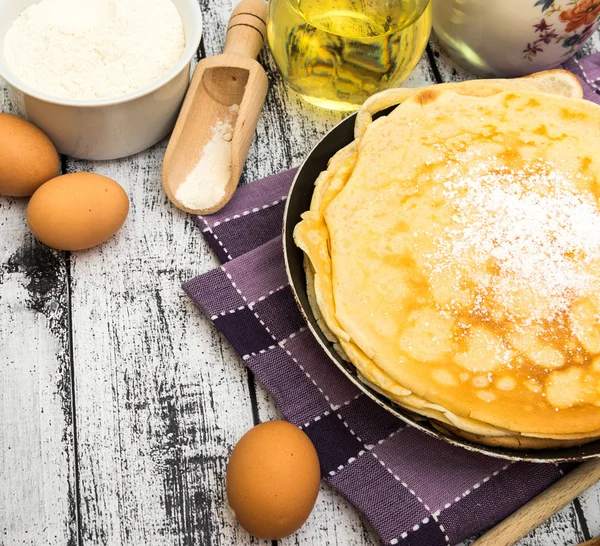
(453, 257)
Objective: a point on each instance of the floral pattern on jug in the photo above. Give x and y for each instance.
(511, 38)
(579, 18)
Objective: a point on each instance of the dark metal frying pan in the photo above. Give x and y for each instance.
(297, 203)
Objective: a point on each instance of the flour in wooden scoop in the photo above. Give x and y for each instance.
(531, 237)
(205, 185)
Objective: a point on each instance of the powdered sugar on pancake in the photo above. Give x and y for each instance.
(526, 239)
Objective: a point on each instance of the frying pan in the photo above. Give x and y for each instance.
(298, 202)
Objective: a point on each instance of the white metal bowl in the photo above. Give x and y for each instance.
(111, 128)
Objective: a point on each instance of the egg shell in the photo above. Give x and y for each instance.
(77, 211)
(273, 479)
(28, 158)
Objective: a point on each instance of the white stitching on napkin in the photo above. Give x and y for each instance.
(331, 405)
(362, 451)
(587, 78)
(309, 376)
(250, 304)
(405, 485)
(271, 292)
(275, 339)
(334, 408)
(417, 527)
(473, 487)
(292, 336)
(209, 229)
(247, 212)
(425, 520)
(271, 347)
(262, 351)
(315, 419)
(351, 431)
(229, 312)
(349, 462)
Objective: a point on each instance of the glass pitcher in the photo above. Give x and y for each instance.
(337, 53)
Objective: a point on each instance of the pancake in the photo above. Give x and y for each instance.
(453, 251)
(556, 82)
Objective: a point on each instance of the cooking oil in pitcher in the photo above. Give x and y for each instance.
(337, 53)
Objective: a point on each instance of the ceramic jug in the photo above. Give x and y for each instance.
(513, 37)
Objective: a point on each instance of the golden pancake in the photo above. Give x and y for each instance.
(555, 82)
(454, 253)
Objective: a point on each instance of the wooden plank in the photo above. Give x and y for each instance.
(590, 505)
(562, 528)
(37, 473)
(287, 131)
(591, 46)
(298, 126)
(161, 398)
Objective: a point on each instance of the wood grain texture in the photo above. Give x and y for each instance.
(543, 506)
(160, 397)
(591, 46)
(562, 529)
(590, 505)
(37, 472)
(287, 131)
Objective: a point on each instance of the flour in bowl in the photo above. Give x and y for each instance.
(94, 49)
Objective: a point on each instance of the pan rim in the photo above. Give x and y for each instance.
(299, 284)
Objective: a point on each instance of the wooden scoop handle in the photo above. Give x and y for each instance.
(247, 29)
(543, 506)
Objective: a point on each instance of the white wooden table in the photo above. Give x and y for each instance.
(119, 402)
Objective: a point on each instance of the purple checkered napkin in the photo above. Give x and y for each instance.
(414, 489)
(587, 69)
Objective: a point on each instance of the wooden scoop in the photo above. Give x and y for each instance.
(231, 79)
(539, 509)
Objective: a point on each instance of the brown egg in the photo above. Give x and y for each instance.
(273, 479)
(27, 157)
(77, 211)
